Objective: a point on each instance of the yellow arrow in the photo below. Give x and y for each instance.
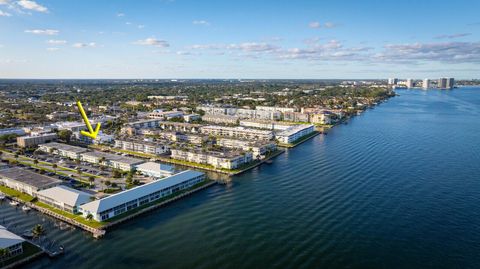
(91, 133)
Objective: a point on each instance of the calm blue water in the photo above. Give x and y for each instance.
(398, 187)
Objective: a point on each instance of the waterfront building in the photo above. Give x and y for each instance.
(143, 146)
(258, 149)
(264, 124)
(26, 181)
(61, 149)
(64, 198)
(222, 119)
(239, 131)
(155, 170)
(184, 137)
(127, 200)
(11, 242)
(410, 83)
(294, 133)
(442, 83)
(111, 160)
(224, 159)
(450, 83)
(321, 117)
(33, 140)
(152, 123)
(426, 83)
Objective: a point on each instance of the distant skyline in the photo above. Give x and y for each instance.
(243, 39)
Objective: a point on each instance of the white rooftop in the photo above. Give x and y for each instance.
(154, 167)
(117, 199)
(8, 238)
(66, 195)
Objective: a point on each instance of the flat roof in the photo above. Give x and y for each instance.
(117, 199)
(28, 177)
(113, 157)
(65, 147)
(155, 167)
(8, 239)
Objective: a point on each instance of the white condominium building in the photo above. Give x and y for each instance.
(264, 124)
(258, 149)
(294, 133)
(142, 146)
(226, 160)
(241, 132)
(64, 150)
(125, 201)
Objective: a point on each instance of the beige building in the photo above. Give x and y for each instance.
(33, 140)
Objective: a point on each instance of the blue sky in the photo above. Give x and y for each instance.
(239, 39)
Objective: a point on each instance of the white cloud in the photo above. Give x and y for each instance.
(330, 25)
(151, 41)
(52, 49)
(128, 23)
(201, 22)
(56, 42)
(314, 24)
(120, 14)
(32, 5)
(141, 26)
(43, 32)
(5, 14)
(84, 45)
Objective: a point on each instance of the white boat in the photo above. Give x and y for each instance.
(14, 203)
(25, 208)
(2, 197)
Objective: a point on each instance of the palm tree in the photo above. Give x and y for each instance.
(35, 162)
(16, 156)
(38, 231)
(89, 217)
(79, 171)
(55, 166)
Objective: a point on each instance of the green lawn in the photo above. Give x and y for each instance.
(14, 193)
(79, 218)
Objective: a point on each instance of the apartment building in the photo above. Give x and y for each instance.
(225, 160)
(33, 140)
(294, 133)
(61, 149)
(143, 146)
(239, 131)
(220, 119)
(258, 149)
